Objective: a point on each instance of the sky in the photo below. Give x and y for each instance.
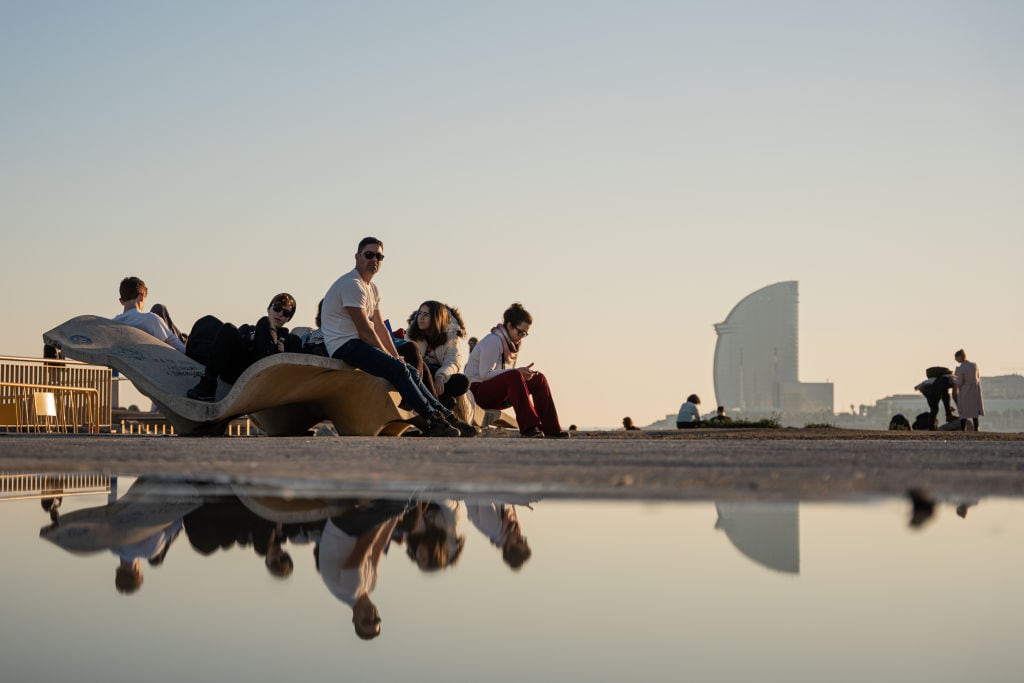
(627, 171)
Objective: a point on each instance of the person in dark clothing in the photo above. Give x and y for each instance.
(937, 389)
(236, 349)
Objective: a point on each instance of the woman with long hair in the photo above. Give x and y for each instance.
(496, 382)
(434, 330)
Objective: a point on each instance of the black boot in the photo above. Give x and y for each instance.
(206, 390)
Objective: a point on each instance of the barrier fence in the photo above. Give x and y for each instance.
(38, 394)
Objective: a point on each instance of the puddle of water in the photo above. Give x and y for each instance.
(583, 590)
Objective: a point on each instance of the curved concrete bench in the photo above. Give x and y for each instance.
(284, 394)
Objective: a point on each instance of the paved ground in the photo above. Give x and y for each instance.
(706, 464)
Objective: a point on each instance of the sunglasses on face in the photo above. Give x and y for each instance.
(286, 312)
(522, 333)
(370, 255)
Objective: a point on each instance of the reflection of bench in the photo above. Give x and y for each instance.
(284, 394)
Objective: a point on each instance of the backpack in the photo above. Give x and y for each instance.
(923, 422)
(899, 422)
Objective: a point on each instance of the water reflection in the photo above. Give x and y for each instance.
(379, 588)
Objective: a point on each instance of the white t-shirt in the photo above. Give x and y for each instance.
(151, 323)
(348, 290)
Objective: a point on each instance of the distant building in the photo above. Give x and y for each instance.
(757, 358)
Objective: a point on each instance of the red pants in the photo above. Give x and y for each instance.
(512, 387)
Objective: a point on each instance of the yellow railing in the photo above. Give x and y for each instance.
(69, 383)
(18, 485)
(50, 407)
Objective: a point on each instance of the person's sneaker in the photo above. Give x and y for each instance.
(438, 426)
(560, 435)
(532, 433)
(465, 429)
(201, 392)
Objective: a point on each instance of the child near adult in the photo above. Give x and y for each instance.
(496, 382)
(236, 349)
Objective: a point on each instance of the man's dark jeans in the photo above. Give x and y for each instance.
(359, 354)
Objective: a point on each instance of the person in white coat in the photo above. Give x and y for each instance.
(435, 329)
(967, 390)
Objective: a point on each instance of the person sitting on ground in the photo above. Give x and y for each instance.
(235, 349)
(133, 293)
(496, 382)
(689, 415)
(935, 389)
(627, 424)
(720, 418)
(434, 331)
(354, 332)
(899, 423)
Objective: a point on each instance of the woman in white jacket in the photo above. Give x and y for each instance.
(496, 382)
(435, 328)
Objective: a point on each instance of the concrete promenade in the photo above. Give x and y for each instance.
(706, 464)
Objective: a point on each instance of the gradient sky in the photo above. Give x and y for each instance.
(628, 171)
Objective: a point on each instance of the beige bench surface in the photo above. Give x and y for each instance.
(284, 394)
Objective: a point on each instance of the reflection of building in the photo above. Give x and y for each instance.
(757, 358)
(767, 532)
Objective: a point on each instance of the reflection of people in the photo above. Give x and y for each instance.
(349, 554)
(496, 381)
(689, 415)
(232, 354)
(627, 424)
(500, 523)
(354, 332)
(967, 390)
(128, 575)
(133, 294)
(934, 390)
(434, 540)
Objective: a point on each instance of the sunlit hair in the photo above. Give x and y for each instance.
(281, 566)
(367, 241)
(131, 287)
(283, 299)
(516, 553)
(515, 315)
(693, 398)
(960, 354)
(127, 580)
(441, 316)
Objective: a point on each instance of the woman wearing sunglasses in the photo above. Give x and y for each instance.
(496, 382)
(235, 349)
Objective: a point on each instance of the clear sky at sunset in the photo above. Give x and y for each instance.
(627, 170)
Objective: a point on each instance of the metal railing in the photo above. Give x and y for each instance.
(81, 395)
(21, 486)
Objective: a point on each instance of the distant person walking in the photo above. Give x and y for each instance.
(689, 414)
(967, 390)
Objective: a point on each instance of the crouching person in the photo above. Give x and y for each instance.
(354, 332)
(235, 349)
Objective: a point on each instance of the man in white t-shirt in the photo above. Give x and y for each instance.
(354, 331)
(133, 297)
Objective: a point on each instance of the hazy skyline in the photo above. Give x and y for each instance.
(627, 171)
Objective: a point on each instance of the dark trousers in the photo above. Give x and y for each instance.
(229, 356)
(405, 378)
(512, 387)
(933, 398)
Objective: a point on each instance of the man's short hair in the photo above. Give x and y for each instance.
(369, 240)
(283, 299)
(131, 287)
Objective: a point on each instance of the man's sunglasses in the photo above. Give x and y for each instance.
(286, 312)
(370, 255)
